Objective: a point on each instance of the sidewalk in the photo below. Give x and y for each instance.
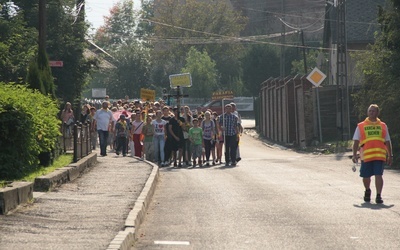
(87, 213)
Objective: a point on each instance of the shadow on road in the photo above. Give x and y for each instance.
(373, 206)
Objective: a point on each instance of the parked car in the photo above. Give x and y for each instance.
(215, 105)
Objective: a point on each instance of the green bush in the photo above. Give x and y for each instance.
(28, 127)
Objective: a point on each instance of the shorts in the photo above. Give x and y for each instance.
(197, 151)
(371, 168)
(174, 145)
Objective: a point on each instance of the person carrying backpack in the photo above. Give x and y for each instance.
(122, 134)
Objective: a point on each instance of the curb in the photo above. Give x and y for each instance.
(65, 174)
(18, 193)
(124, 240)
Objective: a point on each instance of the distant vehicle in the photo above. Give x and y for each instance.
(215, 105)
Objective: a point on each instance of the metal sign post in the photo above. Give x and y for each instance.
(316, 77)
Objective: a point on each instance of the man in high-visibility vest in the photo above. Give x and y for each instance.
(372, 139)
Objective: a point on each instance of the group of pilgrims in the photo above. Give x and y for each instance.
(167, 136)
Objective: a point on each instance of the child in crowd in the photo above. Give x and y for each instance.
(196, 139)
(121, 135)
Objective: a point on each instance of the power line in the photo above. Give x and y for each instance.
(230, 39)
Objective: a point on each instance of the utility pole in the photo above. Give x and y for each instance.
(343, 109)
(80, 10)
(42, 25)
(304, 52)
(282, 61)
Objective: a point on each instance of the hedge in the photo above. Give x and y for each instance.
(28, 127)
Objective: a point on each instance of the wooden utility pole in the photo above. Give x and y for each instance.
(343, 107)
(42, 25)
(282, 61)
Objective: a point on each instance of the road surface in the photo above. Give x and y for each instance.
(273, 199)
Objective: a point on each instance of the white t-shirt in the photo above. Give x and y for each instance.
(357, 135)
(137, 127)
(159, 127)
(103, 119)
(208, 129)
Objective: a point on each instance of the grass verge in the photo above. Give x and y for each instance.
(62, 161)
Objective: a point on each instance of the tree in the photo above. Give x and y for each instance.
(179, 26)
(379, 67)
(311, 60)
(17, 48)
(131, 57)
(259, 64)
(66, 42)
(66, 31)
(203, 72)
(34, 78)
(119, 28)
(131, 73)
(45, 73)
(145, 28)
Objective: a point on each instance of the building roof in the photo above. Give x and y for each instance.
(94, 51)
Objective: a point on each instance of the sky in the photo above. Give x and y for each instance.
(97, 9)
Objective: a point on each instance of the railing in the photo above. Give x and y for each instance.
(76, 138)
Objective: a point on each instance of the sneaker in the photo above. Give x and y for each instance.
(233, 164)
(378, 199)
(226, 164)
(367, 195)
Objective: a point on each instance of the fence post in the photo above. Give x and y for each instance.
(81, 140)
(63, 128)
(75, 143)
(88, 139)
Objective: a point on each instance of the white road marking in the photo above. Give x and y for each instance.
(164, 242)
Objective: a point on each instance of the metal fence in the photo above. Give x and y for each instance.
(76, 138)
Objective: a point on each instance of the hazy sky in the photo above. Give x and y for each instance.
(97, 9)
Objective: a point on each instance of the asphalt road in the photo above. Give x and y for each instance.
(273, 199)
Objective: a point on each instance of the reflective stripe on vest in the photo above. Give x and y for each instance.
(372, 140)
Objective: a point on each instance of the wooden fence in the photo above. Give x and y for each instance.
(287, 111)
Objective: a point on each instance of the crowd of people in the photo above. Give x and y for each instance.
(162, 134)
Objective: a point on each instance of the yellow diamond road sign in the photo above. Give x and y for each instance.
(316, 77)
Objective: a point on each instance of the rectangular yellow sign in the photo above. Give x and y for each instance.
(181, 80)
(147, 95)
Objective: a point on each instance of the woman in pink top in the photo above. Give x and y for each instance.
(67, 115)
(136, 131)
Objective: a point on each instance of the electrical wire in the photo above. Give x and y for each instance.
(79, 7)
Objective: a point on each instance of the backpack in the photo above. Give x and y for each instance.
(121, 129)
